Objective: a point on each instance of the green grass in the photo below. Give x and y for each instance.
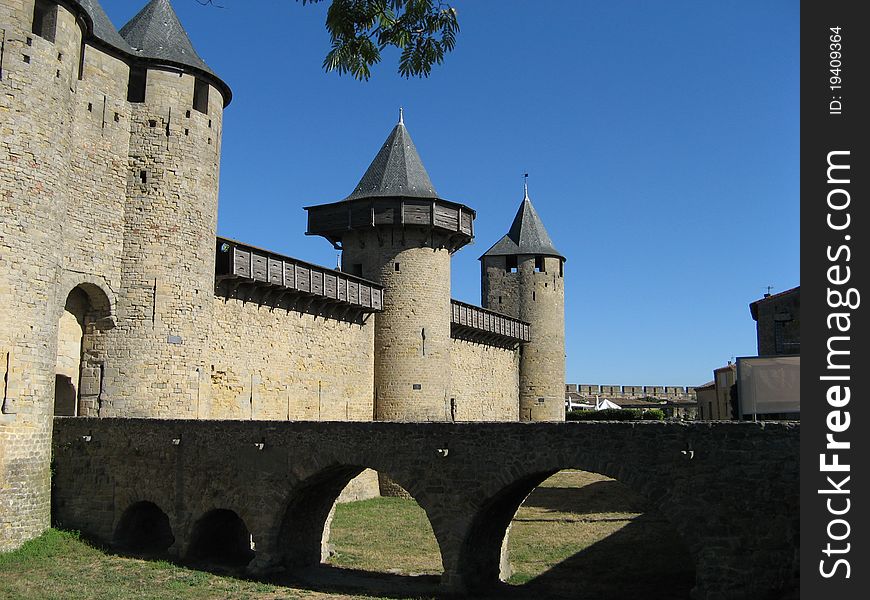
(384, 534)
(59, 566)
(578, 534)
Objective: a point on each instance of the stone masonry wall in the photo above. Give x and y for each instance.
(730, 490)
(37, 91)
(539, 298)
(158, 355)
(279, 365)
(485, 382)
(412, 335)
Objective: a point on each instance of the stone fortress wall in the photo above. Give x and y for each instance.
(588, 390)
(109, 167)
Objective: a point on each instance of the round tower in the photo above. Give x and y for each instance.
(522, 275)
(41, 41)
(160, 354)
(396, 231)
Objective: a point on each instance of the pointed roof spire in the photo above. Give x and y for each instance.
(396, 170)
(156, 32)
(527, 234)
(104, 30)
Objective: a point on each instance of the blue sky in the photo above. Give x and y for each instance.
(661, 141)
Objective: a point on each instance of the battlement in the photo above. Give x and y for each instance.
(591, 391)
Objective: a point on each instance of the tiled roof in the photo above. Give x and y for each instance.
(104, 30)
(396, 170)
(527, 235)
(155, 32)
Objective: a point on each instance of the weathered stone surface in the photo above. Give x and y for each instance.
(729, 489)
(536, 296)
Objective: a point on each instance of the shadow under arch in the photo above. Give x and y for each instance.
(482, 554)
(220, 538)
(143, 529)
(301, 539)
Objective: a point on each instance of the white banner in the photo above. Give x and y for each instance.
(769, 384)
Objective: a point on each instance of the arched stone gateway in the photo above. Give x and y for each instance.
(81, 350)
(729, 489)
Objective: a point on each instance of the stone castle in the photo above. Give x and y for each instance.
(120, 301)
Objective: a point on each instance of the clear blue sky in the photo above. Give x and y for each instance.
(661, 141)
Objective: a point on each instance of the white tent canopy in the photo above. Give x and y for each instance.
(604, 403)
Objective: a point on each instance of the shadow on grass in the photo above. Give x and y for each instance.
(596, 497)
(343, 580)
(645, 560)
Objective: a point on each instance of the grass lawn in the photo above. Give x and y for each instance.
(578, 535)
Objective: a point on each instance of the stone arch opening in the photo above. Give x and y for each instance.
(570, 532)
(143, 529)
(80, 353)
(221, 538)
(339, 518)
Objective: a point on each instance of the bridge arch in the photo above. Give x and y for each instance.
(303, 530)
(482, 555)
(221, 537)
(143, 529)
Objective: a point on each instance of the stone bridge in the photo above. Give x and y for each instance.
(729, 489)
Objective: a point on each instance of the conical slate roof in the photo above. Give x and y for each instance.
(527, 235)
(157, 33)
(104, 30)
(396, 170)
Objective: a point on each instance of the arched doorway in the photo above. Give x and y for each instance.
(80, 353)
(143, 529)
(221, 539)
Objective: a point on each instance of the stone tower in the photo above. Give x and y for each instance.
(160, 365)
(109, 149)
(523, 276)
(40, 49)
(394, 229)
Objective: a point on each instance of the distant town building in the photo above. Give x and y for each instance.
(778, 322)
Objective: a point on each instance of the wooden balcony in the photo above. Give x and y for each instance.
(476, 324)
(453, 222)
(255, 275)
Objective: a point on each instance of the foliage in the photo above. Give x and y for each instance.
(653, 414)
(616, 414)
(424, 30)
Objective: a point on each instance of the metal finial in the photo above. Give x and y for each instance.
(401, 116)
(525, 186)
(770, 287)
